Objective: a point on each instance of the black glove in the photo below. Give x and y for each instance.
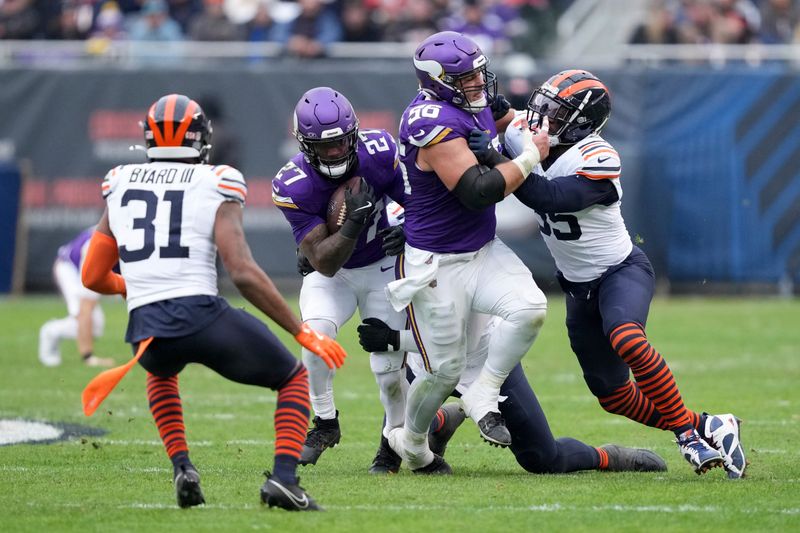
(499, 106)
(375, 335)
(304, 266)
(360, 207)
(480, 142)
(394, 240)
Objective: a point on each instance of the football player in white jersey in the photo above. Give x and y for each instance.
(609, 282)
(165, 220)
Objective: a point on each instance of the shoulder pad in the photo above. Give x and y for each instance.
(230, 183)
(429, 123)
(599, 160)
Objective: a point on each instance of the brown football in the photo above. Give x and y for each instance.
(337, 210)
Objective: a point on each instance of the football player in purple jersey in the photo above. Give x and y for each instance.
(350, 268)
(85, 319)
(453, 264)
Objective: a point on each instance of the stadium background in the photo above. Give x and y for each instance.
(707, 133)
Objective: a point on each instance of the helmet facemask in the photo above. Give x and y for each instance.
(464, 88)
(334, 156)
(569, 119)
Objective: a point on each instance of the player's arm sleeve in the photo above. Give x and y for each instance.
(565, 194)
(231, 185)
(301, 221)
(110, 182)
(101, 256)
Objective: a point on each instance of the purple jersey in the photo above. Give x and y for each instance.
(73, 250)
(302, 194)
(436, 220)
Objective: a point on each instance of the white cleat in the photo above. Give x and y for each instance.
(723, 433)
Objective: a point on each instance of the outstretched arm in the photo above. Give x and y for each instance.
(258, 288)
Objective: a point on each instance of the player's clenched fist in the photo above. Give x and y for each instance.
(326, 348)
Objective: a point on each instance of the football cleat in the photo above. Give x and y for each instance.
(723, 433)
(325, 434)
(480, 404)
(623, 459)
(187, 487)
(493, 430)
(436, 467)
(276, 493)
(386, 460)
(453, 417)
(697, 451)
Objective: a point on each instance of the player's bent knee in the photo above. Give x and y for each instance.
(386, 362)
(449, 370)
(324, 326)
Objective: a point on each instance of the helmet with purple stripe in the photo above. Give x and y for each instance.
(452, 67)
(326, 126)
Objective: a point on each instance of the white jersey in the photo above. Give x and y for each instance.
(586, 243)
(162, 215)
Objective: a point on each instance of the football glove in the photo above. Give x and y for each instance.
(360, 205)
(374, 335)
(326, 348)
(304, 266)
(480, 142)
(394, 240)
(499, 106)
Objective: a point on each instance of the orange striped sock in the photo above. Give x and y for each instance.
(603, 458)
(167, 410)
(629, 402)
(653, 376)
(291, 423)
(438, 421)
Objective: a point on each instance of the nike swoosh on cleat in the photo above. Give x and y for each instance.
(603, 159)
(302, 503)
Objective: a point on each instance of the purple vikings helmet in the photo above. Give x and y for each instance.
(326, 126)
(447, 65)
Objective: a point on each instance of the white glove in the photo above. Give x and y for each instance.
(530, 156)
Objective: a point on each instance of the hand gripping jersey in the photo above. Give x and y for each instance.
(584, 244)
(302, 194)
(436, 220)
(162, 215)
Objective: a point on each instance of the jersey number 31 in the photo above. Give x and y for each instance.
(173, 248)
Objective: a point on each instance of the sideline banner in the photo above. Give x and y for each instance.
(709, 157)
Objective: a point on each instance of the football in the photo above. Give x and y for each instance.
(337, 210)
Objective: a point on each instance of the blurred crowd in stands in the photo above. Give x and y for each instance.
(720, 21)
(303, 27)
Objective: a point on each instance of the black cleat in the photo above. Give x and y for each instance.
(453, 417)
(493, 430)
(325, 434)
(386, 460)
(275, 493)
(187, 487)
(622, 459)
(436, 467)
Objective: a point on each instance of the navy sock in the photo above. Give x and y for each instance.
(286, 469)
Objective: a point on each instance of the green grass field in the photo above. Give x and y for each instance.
(739, 355)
